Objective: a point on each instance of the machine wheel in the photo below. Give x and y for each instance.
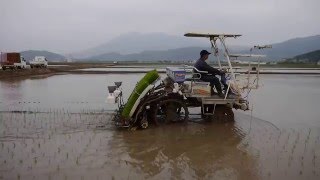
(170, 111)
(223, 113)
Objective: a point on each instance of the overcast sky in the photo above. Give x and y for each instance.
(66, 26)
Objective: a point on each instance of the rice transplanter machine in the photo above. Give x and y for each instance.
(160, 101)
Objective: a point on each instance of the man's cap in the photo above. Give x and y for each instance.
(204, 52)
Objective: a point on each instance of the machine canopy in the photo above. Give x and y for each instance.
(209, 35)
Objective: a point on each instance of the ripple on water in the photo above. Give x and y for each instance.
(85, 145)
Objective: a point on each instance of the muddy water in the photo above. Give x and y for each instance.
(288, 100)
(65, 133)
(61, 92)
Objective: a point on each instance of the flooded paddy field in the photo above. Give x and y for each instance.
(59, 127)
(137, 69)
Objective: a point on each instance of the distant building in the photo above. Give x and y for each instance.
(318, 63)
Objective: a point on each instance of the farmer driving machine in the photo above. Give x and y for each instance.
(160, 101)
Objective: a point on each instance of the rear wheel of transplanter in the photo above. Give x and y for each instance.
(171, 111)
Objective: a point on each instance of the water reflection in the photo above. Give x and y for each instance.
(62, 145)
(12, 91)
(207, 151)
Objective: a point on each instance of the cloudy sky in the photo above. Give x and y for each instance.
(66, 26)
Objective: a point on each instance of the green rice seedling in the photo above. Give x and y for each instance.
(149, 78)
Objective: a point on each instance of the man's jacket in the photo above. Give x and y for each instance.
(201, 65)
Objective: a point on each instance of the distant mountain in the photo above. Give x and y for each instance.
(30, 54)
(188, 53)
(310, 57)
(159, 46)
(137, 42)
(293, 47)
(185, 54)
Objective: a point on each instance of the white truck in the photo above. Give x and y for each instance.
(39, 62)
(22, 64)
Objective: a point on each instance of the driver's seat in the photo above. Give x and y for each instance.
(196, 74)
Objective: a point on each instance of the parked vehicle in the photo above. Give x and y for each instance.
(39, 62)
(12, 61)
